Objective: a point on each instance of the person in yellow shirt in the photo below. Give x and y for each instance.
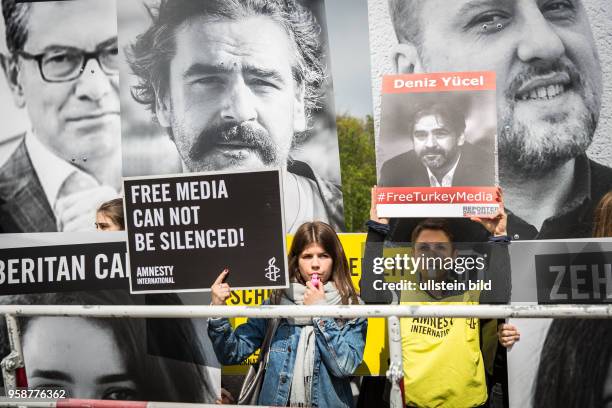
(443, 357)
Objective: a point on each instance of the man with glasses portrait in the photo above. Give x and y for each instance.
(66, 77)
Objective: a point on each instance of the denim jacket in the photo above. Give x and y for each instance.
(338, 352)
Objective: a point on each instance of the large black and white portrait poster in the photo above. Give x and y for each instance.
(60, 140)
(437, 130)
(561, 362)
(184, 230)
(238, 85)
(553, 65)
(108, 358)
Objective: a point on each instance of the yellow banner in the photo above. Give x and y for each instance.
(376, 356)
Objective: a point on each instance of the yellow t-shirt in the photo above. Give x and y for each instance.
(443, 364)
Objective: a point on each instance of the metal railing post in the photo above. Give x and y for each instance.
(395, 374)
(14, 359)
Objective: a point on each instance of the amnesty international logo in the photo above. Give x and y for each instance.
(432, 326)
(471, 322)
(272, 271)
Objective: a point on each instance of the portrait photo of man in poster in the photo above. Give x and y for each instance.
(63, 83)
(549, 95)
(552, 63)
(236, 85)
(443, 150)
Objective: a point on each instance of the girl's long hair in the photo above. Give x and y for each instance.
(318, 232)
(603, 217)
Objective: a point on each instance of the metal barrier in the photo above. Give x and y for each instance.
(336, 311)
(14, 361)
(83, 403)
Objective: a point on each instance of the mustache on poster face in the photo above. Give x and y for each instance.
(545, 69)
(433, 150)
(247, 134)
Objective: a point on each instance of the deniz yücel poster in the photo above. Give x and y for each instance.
(60, 142)
(184, 230)
(247, 88)
(553, 67)
(127, 359)
(561, 362)
(437, 130)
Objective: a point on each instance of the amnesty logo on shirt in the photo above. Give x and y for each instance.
(431, 326)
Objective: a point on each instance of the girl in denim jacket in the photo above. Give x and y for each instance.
(310, 360)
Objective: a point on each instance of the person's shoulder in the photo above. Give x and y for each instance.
(16, 166)
(601, 179)
(405, 169)
(13, 151)
(402, 159)
(600, 171)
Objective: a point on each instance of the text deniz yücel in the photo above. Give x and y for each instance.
(445, 81)
(181, 215)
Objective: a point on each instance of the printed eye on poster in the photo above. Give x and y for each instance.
(183, 230)
(444, 127)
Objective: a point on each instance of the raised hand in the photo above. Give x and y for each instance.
(373, 211)
(220, 290)
(497, 224)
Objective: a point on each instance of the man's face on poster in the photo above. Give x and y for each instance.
(548, 72)
(78, 117)
(232, 101)
(435, 142)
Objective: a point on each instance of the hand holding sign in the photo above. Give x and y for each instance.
(220, 290)
(373, 210)
(496, 225)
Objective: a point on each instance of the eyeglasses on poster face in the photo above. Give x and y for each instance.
(67, 64)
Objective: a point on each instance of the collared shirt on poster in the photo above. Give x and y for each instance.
(52, 171)
(447, 180)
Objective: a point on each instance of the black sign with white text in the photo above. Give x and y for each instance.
(184, 230)
(574, 278)
(63, 268)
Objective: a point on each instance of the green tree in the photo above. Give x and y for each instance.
(358, 166)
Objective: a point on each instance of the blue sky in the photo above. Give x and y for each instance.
(347, 25)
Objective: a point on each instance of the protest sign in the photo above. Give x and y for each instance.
(184, 230)
(447, 202)
(59, 262)
(437, 130)
(578, 271)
